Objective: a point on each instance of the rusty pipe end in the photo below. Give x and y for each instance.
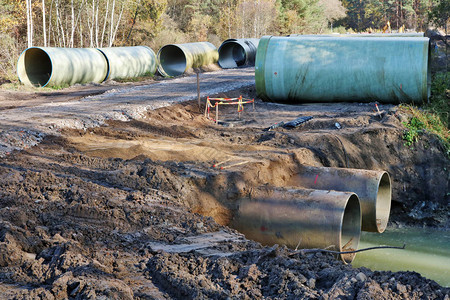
(350, 229)
(303, 218)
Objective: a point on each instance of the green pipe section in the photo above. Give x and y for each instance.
(329, 69)
(42, 66)
(406, 34)
(175, 59)
(128, 62)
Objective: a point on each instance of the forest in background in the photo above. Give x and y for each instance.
(106, 23)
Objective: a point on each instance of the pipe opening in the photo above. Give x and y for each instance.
(37, 67)
(172, 60)
(231, 55)
(383, 205)
(351, 229)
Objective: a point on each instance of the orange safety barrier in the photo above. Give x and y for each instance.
(226, 101)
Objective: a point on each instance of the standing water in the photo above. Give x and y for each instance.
(427, 252)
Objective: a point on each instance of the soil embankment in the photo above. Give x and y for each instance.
(135, 209)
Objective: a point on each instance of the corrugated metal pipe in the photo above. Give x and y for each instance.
(301, 218)
(42, 66)
(372, 187)
(175, 59)
(330, 69)
(235, 53)
(128, 62)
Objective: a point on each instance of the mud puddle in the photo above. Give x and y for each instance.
(426, 252)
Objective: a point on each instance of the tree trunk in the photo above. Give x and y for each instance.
(96, 26)
(104, 24)
(72, 30)
(61, 32)
(29, 24)
(44, 29)
(134, 20)
(50, 26)
(117, 25)
(111, 25)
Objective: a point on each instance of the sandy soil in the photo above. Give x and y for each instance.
(134, 209)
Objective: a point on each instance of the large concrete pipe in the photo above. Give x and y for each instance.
(372, 187)
(329, 69)
(128, 62)
(301, 218)
(176, 59)
(41, 66)
(405, 34)
(235, 53)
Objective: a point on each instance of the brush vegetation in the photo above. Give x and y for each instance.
(433, 117)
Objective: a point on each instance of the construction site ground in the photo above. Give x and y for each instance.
(125, 191)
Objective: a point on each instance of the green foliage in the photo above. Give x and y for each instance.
(362, 15)
(433, 117)
(440, 84)
(413, 128)
(300, 16)
(58, 87)
(440, 14)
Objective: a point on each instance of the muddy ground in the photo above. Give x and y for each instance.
(136, 210)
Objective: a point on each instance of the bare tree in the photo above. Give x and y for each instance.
(29, 23)
(104, 24)
(332, 10)
(44, 31)
(117, 25)
(111, 23)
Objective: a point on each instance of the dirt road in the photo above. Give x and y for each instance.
(26, 117)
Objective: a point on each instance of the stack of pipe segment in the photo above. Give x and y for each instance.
(301, 69)
(175, 59)
(234, 53)
(301, 219)
(42, 66)
(372, 187)
(129, 62)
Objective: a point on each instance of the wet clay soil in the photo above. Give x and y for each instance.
(138, 210)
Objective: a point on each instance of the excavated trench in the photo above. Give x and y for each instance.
(223, 167)
(135, 209)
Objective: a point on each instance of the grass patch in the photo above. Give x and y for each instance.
(144, 77)
(17, 86)
(432, 117)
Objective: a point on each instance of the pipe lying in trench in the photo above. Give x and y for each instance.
(301, 217)
(235, 53)
(372, 187)
(175, 59)
(42, 66)
(128, 62)
(331, 69)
